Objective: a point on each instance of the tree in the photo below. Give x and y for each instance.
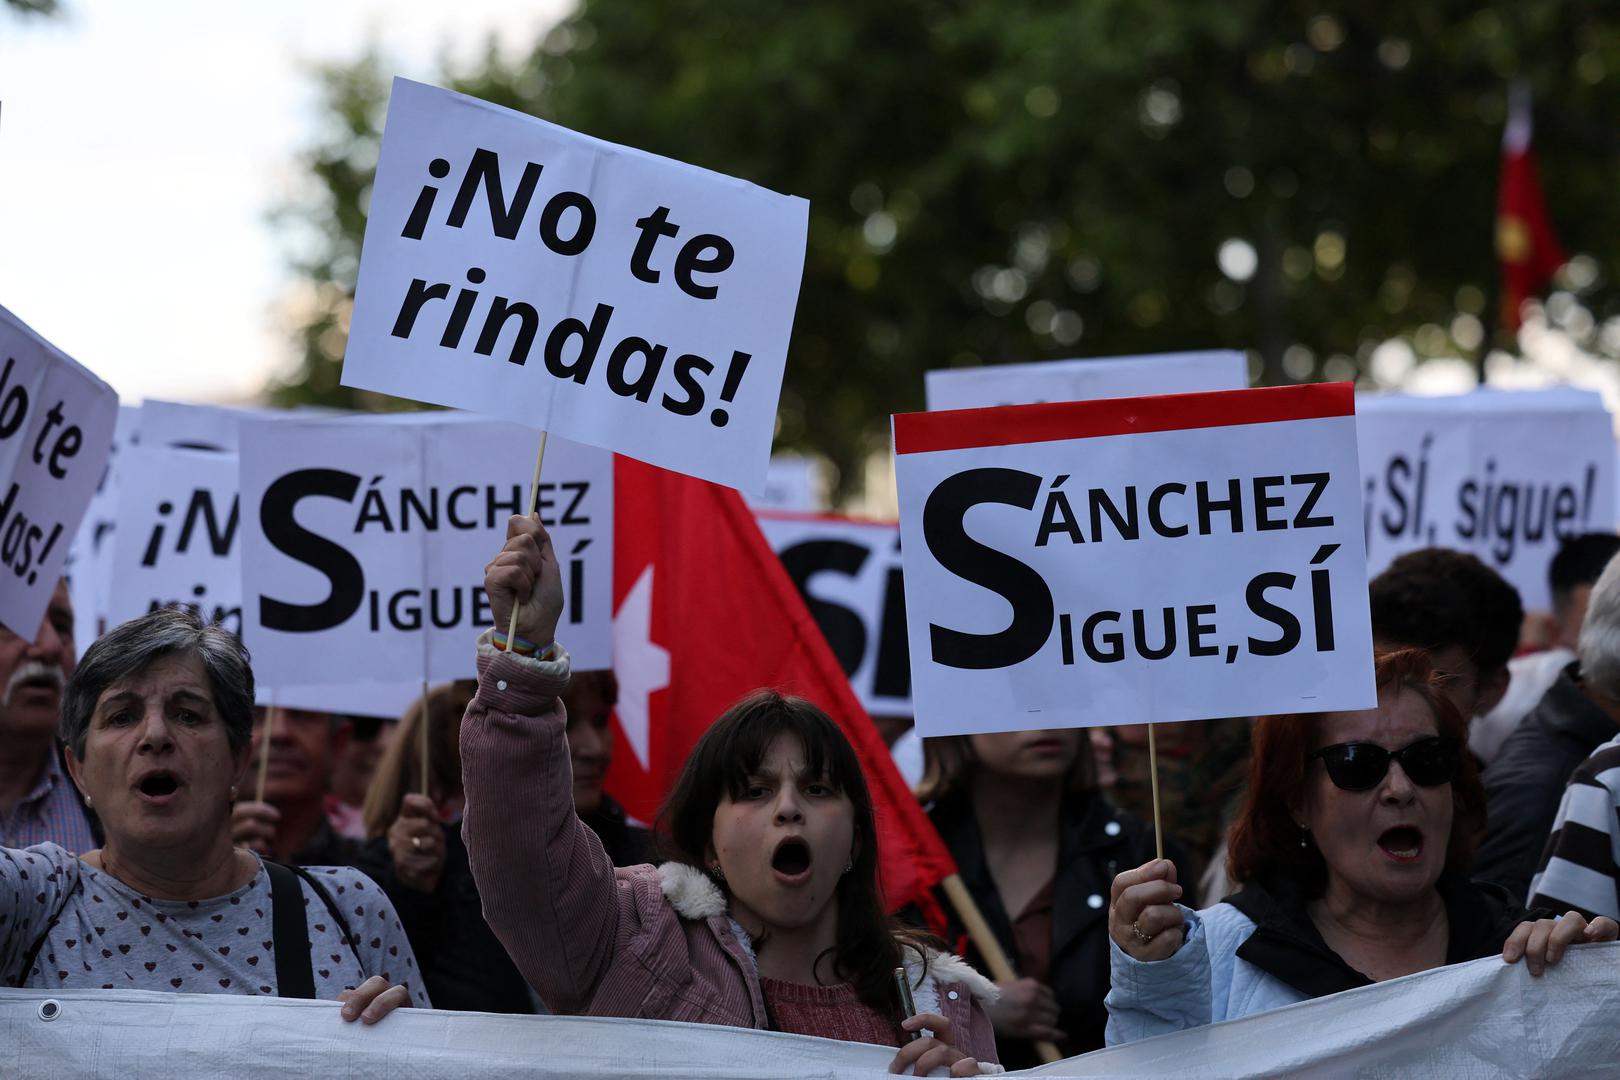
(34, 7)
(1026, 179)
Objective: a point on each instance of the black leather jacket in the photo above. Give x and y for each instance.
(1526, 780)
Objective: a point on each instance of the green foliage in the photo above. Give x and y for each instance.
(1024, 179)
(34, 7)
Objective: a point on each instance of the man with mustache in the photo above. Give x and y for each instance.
(38, 803)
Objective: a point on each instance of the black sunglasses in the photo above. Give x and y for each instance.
(1361, 766)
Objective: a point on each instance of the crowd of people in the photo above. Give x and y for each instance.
(157, 831)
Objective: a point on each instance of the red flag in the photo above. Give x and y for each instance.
(1525, 243)
(704, 614)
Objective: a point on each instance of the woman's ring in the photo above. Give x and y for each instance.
(1141, 937)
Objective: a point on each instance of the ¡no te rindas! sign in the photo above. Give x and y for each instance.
(1135, 560)
(520, 270)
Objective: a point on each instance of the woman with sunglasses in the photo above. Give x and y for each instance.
(1352, 850)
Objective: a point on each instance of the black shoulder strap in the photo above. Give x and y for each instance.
(289, 927)
(332, 909)
(32, 955)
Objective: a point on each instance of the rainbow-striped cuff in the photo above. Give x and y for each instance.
(521, 647)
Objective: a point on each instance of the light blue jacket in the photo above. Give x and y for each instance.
(1204, 982)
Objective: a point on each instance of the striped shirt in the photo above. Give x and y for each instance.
(1580, 867)
(50, 813)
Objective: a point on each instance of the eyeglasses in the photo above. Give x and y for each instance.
(1361, 766)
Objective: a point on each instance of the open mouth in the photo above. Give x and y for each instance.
(1403, 843)
(792, 859)
(158, 786)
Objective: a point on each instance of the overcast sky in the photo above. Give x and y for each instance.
(142, 146)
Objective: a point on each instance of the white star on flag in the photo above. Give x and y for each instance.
(641, 665)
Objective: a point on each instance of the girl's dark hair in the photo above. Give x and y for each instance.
(869, 941)
(1265, 841)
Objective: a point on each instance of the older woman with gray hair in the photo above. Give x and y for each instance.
(156, 720)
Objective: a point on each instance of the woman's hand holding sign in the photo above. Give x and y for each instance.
(1142, 915)
(526, 573)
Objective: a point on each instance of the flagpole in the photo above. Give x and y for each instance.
(989, 947)
(534, 494)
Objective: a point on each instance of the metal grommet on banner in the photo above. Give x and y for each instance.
(50, 1009)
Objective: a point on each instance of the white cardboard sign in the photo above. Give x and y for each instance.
(848, 571)
(364, 542)
(1085, 380)
(520, 270)
(56, 429)
(1505, 475)
(193, 426)
(176, 543)
(1143, 560)
(89, 563)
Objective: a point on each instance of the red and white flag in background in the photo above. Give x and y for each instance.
(704, 613)
(1526, 245)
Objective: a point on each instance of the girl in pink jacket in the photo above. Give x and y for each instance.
(770, 915)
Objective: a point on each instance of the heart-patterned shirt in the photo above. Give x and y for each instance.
(109, 936)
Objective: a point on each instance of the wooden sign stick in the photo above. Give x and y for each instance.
(426, 742)
(534, 494)
(264, 750)
(1153, 774)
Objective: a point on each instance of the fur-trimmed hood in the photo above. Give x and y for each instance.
(694, 896)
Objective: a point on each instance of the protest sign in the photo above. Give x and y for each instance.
(364, 542)
(517, 269)
(849, 573)
(354, 697)
(89, 562)
(1473, 1019)
(177, 539)
(1141, 560)
(1085, 380)
(179, 546)
(790, 484)
(194, 427)
(1506, 475)
(56, 429)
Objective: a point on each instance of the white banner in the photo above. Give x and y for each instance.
(364, 542)
(176, 543)
(1506, 475)
(849, 573)
(89, 564)
(521, 270)
(56, 429)
(1484, 1018)
(1142, 560)
(1085, 380)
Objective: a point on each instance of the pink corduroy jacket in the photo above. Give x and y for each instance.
(640, 941)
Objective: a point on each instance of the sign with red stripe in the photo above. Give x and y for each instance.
(1134, 560)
